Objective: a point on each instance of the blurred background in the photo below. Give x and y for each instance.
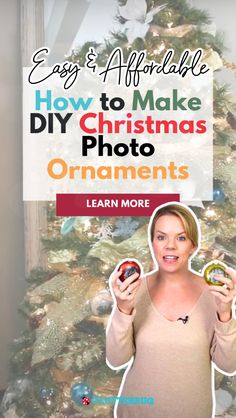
(64, 26)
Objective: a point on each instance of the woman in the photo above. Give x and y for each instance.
(172, 324)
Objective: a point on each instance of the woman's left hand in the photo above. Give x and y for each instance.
(225, 295)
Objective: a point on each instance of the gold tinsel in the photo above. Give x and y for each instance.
(73, 294)
(177, 31)
(136, 246)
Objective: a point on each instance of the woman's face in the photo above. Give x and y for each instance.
(171, 246)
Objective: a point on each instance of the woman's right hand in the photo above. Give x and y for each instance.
(125, 293)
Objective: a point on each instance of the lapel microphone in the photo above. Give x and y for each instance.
(184, 320)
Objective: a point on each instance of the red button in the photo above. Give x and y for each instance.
(110, 204)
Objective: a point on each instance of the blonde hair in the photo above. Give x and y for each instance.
(185, 215)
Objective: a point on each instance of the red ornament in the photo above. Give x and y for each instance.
(86, 400)
(36, 318)
(128, 268)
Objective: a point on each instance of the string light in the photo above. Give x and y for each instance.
(105, 267)
(210, 213)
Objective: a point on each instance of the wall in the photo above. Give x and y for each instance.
(12, 283)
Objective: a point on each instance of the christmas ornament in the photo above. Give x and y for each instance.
(212, 270)
(46, 393)
(137, 18)
(79, 391)
(218, 193)
(128, 268)
(101, 304)
(68, 225)
(36, 318)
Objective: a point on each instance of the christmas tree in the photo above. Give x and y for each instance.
(58, 363)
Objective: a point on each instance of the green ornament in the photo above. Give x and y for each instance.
(212, 270)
